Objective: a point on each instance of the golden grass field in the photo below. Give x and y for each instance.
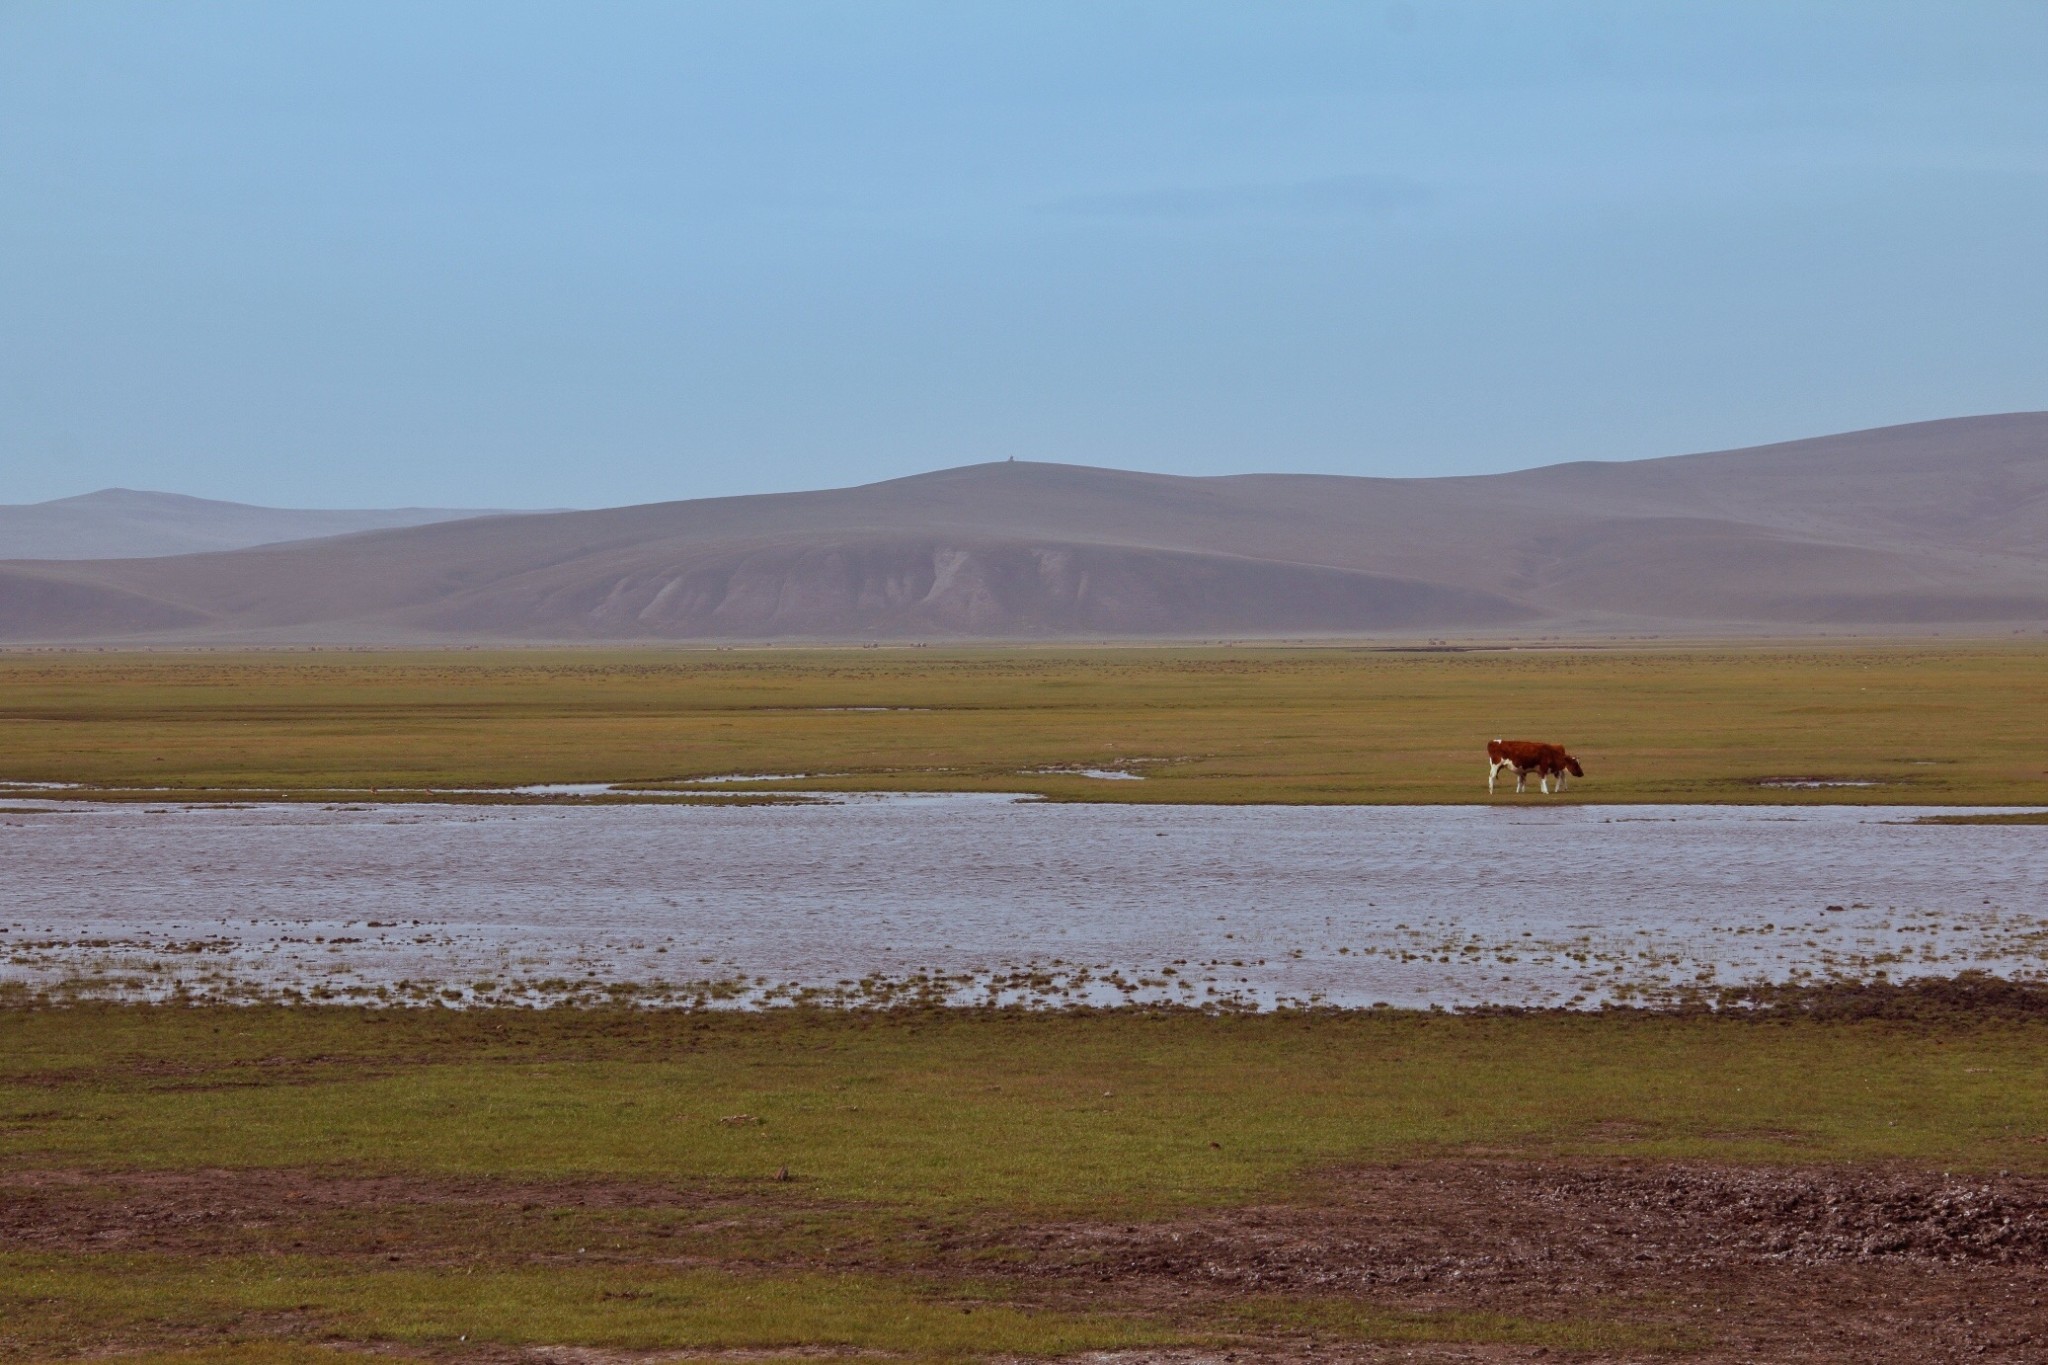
(1928, 722)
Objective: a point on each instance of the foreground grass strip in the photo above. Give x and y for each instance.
(411, 1179)
(81, 1301)
(956, 1111)
(1924, 722)
(261, 1309)
(1345, 1320)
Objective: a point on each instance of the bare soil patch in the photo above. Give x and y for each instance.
(1589, 1226)
(1820, 1263)
(1806, 1263)
(417, 1218)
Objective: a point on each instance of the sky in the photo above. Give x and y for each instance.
(585, 253)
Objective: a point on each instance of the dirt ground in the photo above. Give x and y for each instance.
(1753, 1264)
(1771, 1264)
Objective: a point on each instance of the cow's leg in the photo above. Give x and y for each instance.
(1521, 779)
(1492, 771)
(1543, 781)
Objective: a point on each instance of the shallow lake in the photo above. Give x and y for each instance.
(980, 897)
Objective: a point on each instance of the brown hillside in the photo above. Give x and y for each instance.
(1934, 523)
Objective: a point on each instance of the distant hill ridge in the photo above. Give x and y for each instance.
(125, 523)
(1936, 523)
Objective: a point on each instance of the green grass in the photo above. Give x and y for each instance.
(1930, 722)
(963, 1111)
(79, 1301)
(1341, 1320)
(89, 1302)
(908, 1141)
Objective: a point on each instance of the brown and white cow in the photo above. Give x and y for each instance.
(1527, 756)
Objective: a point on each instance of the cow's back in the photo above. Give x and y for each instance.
(1523, 753)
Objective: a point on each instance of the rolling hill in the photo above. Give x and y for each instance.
(1937, 523)
(123, 523)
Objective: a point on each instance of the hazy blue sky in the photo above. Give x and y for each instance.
(582, 253)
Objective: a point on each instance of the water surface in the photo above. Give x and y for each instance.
(977, 897)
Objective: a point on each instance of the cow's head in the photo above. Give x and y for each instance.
(1572, 766)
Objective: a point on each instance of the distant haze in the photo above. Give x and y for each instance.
(1933, 524)
(121, 523)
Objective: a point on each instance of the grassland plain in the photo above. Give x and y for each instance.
(267, 1184)
(1922, 722)
(253, 1184)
